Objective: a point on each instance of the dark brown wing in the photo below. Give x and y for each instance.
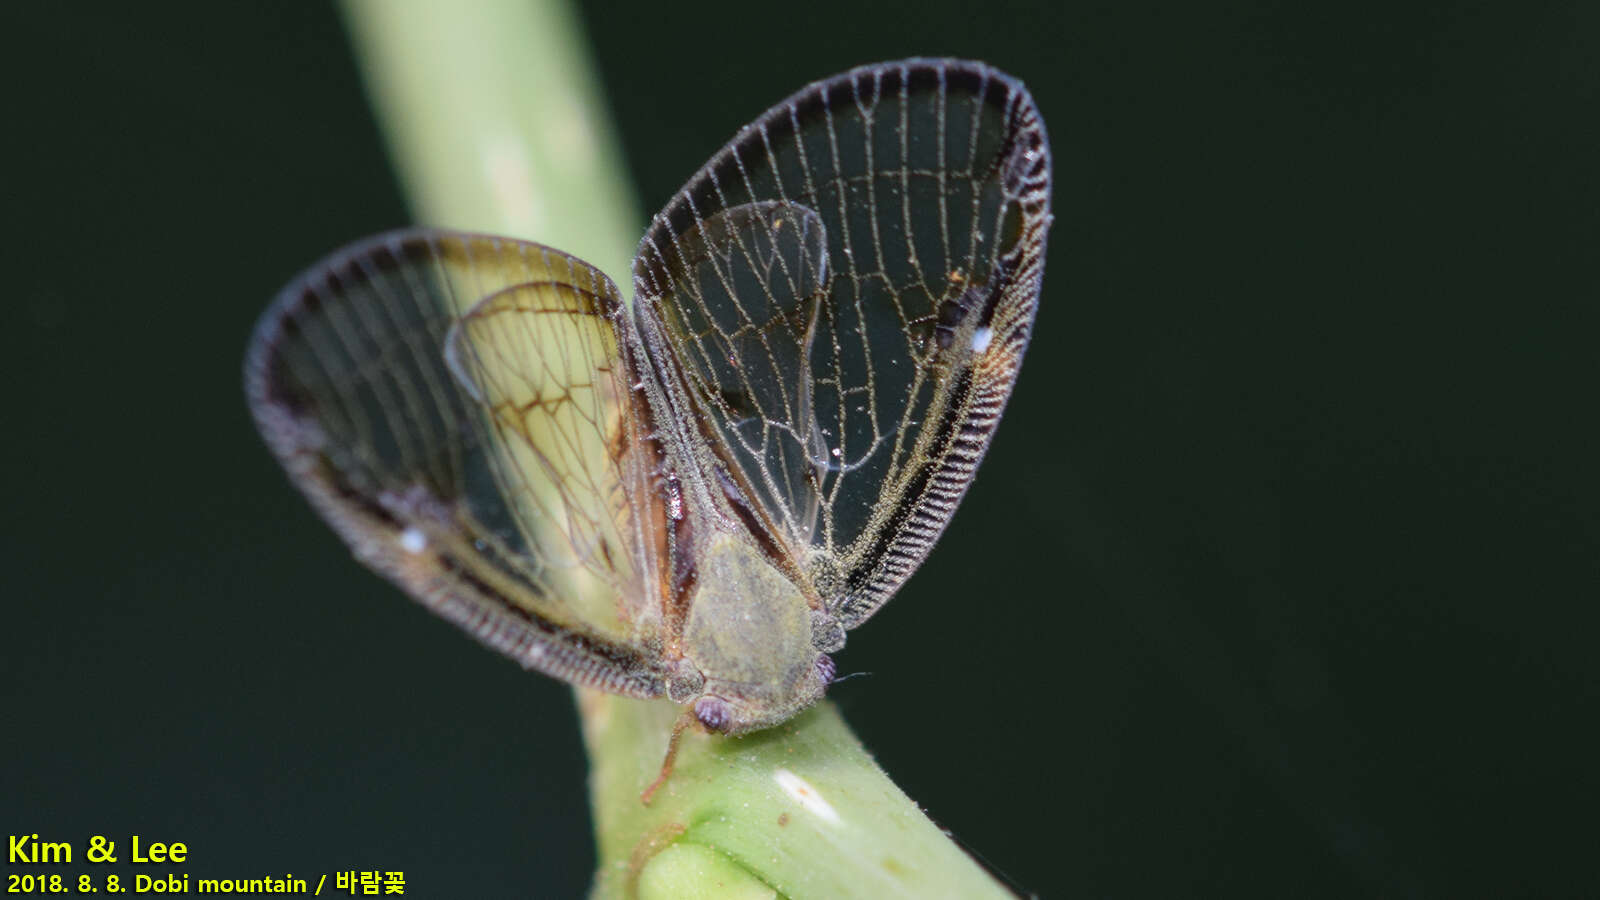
(458, 408)
(844, 294)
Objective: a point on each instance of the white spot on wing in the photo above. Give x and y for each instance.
(980, 339)
(804, 794)
(412, 540)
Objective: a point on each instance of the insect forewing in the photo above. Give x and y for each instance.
(845, 293)
(459, 408)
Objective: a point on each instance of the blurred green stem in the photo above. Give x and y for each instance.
(496, 123)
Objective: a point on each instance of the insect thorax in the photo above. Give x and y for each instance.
(749, 632)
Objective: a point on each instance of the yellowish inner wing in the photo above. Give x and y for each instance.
(544, 361)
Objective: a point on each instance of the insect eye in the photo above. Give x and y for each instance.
(714, 713)
(825, 669)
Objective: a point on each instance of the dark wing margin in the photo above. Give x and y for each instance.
(843, 296)
(403, 385)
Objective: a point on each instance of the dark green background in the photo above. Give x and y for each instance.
(1280, 578)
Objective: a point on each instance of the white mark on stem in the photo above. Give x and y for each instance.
(506, 161)
(806, 795)
(568, 133)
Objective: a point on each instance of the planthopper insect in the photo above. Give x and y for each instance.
(693, 496)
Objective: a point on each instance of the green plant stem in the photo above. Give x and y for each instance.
(800, 807)
(495, 124)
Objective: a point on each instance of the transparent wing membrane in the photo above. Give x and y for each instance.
(457, 406)
(846, 291)
(749, 284)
